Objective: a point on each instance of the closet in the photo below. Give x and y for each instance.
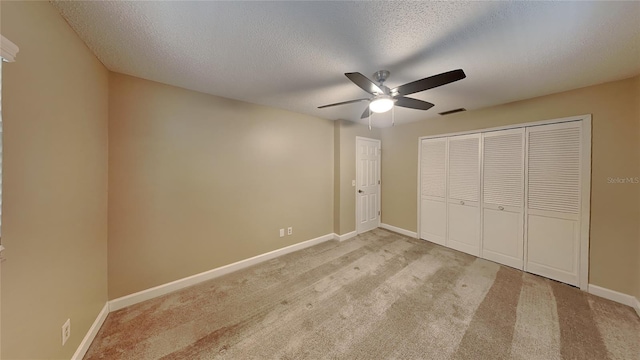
(517, 196)
(463, 218)
(503, 197)
(433, 170)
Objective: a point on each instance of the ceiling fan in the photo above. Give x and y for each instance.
(384, 98)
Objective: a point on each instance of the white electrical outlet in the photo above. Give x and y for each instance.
(281, 232)
(289, 230)
(66, 331)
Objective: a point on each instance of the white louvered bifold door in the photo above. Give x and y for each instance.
(463, 211)
(433, 177)
(503, 197)
(553, 201)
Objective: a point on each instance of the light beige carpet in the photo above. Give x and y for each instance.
(380, 295)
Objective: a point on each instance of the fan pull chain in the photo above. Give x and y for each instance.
(393, 116)
(369, 119)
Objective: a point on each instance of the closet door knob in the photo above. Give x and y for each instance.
(500, 207)
(461, 202)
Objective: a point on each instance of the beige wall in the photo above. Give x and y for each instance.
(345, 218)
(615, 209)
(637, 102)
(197, 181)
(54, 218)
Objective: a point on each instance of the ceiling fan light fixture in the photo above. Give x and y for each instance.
(381, 103)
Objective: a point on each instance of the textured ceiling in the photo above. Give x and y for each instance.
(293, 55)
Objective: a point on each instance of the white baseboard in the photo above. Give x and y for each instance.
(91, 334)
(614, 296)
(402, 231)
(346, 236)
(122, 302)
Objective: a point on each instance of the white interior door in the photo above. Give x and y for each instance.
(463, 210)
(553, 207)
(503, 197)
(433, 194)
(367, 184)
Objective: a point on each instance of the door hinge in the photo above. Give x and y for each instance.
(378, 182)
(378, 212)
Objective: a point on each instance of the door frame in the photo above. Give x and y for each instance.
(355, 190)
(585, 191)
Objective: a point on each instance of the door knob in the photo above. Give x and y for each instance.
(360, 191)
(500, 207)
(461, 202)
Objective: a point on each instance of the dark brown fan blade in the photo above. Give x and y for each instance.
(342, 103)
(413, 103)
(364, 83)
(365, 114)
(429, 82)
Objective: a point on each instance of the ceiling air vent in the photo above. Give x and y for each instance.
(452, 111)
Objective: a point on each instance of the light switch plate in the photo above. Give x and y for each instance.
(353, 183)
(66, 331)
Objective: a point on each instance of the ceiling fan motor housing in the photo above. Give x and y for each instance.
(381, 75)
